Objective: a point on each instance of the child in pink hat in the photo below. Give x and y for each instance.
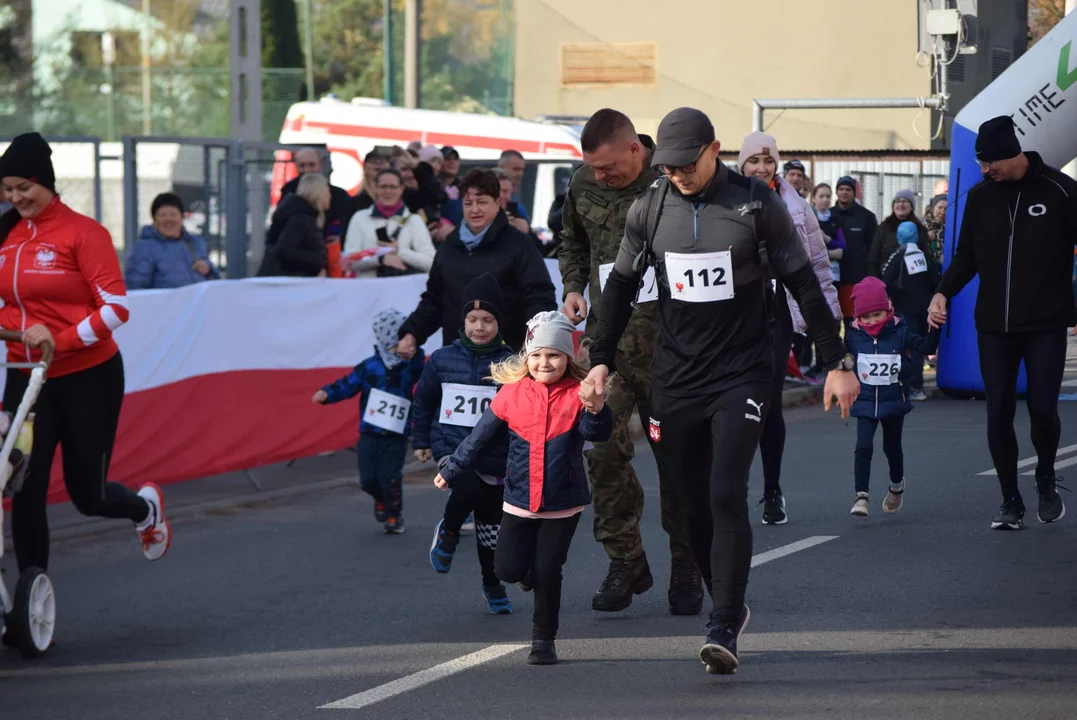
(882, 344)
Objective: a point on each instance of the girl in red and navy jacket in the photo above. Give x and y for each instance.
(541, 403)
(61, 285)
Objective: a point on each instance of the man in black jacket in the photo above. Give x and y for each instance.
(859, 225)
(1018, 233)
(341, 208)
(484, 243)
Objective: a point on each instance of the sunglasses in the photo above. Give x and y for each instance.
(685, 169)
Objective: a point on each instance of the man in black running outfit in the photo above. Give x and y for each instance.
(1018, 233)
(716, 243)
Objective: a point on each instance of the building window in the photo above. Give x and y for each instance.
(1000, 60)
(956, 71)
(605, 64)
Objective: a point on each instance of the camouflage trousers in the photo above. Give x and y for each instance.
(616, 493)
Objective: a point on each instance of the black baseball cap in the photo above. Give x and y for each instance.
(681, 135)
(449, 151)
(793, 165)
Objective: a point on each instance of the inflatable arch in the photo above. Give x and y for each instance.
(1039, 92)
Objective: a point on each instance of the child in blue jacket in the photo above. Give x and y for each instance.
(385, 381)
(453, 393)
(883, 345)
(548, 413)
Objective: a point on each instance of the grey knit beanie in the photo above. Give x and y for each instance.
(550, 330)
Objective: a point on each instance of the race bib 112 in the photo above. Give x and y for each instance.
(700, 277)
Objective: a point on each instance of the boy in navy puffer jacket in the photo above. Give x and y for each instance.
(453, 392)
(882, 344)
(385, 381)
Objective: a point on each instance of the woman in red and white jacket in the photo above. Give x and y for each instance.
(61, 284)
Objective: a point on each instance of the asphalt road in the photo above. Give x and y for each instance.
(277, 610)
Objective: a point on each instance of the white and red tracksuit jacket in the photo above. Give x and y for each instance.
(60, 270)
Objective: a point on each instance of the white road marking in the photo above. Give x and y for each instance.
(791, 548)
(1072, 382)
(1058, 465)
(423, 677)
(445, 669)
(1029, 462)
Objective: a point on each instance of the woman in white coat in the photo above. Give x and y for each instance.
(395, 240)
(759, 158)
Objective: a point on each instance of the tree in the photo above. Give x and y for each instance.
(280, 35)
(1043, 15)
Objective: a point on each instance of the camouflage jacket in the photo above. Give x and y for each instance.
(594, 223)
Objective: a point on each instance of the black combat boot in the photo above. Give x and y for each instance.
(624, 579)
(685, 588)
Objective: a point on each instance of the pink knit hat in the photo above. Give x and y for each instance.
(869, 295)
(758, 143)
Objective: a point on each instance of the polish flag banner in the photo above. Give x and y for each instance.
(219, 375)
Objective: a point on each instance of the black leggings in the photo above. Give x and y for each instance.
(865, 450)
(1044, 354)
(470, 494)
(540, 547)
(772, 441)
(708, 443)
(80, 413)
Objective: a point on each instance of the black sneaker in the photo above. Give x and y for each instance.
(394, 526)
(624, 579)
(719, 653)
(1011, 516)
(773, 503)
(379, 511)
(543, 652)
(1051, 508)
(685, 588)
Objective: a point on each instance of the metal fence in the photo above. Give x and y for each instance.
(879, 177)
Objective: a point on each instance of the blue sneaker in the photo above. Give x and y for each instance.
(442, 548)
(498, 600)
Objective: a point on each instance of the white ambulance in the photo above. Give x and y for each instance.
(350, 130)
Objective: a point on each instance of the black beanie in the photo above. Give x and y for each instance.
(29, 156)
(483, 293)
(997, 140)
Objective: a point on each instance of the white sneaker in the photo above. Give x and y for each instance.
(860, 507)
(155, 531)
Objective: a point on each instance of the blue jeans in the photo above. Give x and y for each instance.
(865, 449)
(381, 469)
(918, 325)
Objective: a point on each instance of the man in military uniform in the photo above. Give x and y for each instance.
(617, 170)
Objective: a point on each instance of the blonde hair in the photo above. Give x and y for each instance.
(312, 187)
(514, 369)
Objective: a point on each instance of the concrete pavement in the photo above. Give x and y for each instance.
(278, 610)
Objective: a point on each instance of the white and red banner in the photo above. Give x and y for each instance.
(219, 375)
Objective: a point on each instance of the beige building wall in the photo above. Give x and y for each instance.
(717, 55)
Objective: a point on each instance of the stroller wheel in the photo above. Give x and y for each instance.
(33, 619)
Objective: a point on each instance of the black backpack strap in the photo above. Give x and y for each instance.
(755, 207)
(655, 198)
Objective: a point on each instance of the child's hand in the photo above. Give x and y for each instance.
(593, 401)
(424, 455)
(440, 483)
(320, 397)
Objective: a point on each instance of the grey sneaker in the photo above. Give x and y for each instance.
(892, 503)
(861, 506)
(1051, 508)
(917, 396)
(1011, 516)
